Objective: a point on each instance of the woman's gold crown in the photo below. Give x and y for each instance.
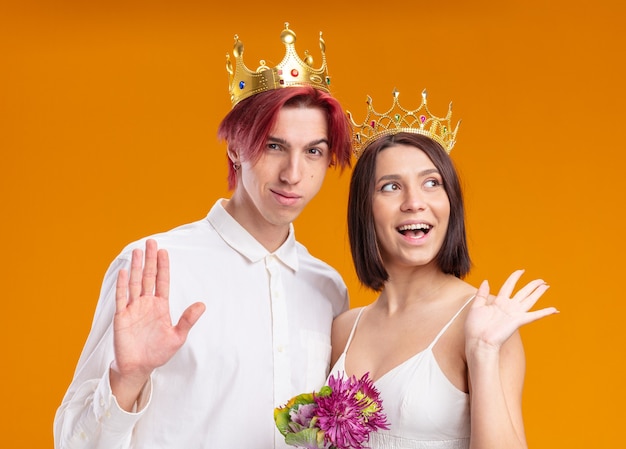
(291, 71)
(398, 119)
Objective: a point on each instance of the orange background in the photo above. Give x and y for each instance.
(108, 112)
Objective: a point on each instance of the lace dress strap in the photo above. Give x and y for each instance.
(445, 328)
(358, 317)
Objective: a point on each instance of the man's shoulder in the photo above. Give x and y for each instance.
(309, 262)
(192, 233)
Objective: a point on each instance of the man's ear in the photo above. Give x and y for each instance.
(233, 155)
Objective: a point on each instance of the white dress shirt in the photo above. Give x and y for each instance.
(264, 338)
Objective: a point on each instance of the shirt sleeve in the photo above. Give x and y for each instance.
(89, 416)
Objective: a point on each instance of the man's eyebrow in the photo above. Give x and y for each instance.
(277, 140)
(285, 143)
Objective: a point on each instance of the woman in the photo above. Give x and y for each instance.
(438, 349)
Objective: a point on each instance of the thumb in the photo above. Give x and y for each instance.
(189, 317)
(483, 293)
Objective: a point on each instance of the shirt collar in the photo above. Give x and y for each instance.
(239, 239)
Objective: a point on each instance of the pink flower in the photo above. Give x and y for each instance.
(340, 416)
(351, 411)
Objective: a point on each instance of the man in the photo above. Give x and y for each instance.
(260, 305)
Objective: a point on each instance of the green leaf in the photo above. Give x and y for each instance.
(307, 438)
(281, 417)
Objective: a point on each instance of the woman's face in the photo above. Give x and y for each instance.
(410, 207)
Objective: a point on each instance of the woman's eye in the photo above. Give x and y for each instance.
(315, 151)
(432, 183)
(389, 187)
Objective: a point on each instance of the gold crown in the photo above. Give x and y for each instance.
(291, 71)
(398, 119)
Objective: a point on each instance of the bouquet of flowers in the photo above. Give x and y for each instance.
(340, 416)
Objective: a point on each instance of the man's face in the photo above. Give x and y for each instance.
(290, 171)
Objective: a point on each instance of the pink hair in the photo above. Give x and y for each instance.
(247, 126)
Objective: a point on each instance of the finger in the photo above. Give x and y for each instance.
(134, 282)
(189, 317)
(483, 290)
(482, 294)
(529, 288)
(150, 268)
(121, 290)
(535, 315)
(509, 284)
(529, 301)
(162, 288)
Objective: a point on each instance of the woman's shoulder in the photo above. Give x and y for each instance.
(459, 295)
(348, 316)
(343, 323)
(342, 327)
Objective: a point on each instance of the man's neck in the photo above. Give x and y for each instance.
(269, 235)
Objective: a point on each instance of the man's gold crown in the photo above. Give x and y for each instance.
(398, 119)
(291, 71)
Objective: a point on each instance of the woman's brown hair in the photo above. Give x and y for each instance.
(453, 257)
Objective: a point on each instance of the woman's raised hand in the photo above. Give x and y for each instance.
(493, 319)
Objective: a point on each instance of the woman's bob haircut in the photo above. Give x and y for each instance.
(453, 257)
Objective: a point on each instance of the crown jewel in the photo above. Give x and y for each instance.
(398, 119)
(291, 71)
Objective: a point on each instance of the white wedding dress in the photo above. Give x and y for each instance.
(424, 410)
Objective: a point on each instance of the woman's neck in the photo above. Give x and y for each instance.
(411, 286)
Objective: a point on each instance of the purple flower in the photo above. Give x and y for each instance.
(303, 414)
(340, 416)
(350, 412)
